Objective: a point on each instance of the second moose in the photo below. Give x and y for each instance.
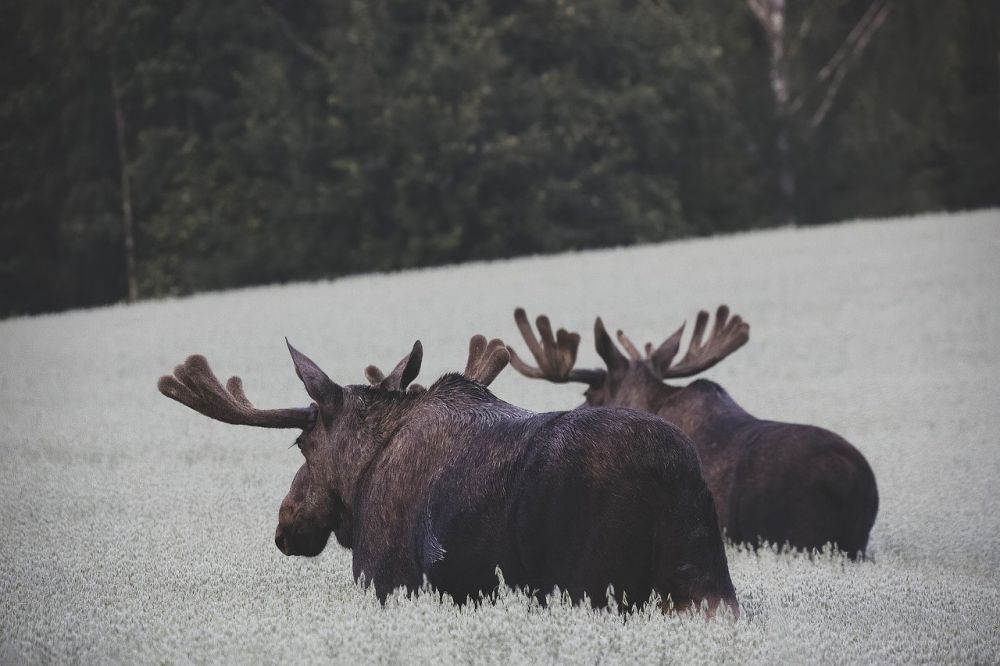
(782, 483)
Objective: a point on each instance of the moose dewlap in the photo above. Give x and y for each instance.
(450, 482)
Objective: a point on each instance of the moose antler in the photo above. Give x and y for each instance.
(555, 355)
(486, 360)
(727, 336)
(195, 385)
(633, 351)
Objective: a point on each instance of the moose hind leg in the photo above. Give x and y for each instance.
(691, 565)
(617, 559)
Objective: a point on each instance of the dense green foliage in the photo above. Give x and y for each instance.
(268, 141)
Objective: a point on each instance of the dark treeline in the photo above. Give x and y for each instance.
(254, 141)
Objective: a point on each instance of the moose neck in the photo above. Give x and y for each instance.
(700, 405)
(406, 435)
(639, 389)
(411, 441)
(383, 412)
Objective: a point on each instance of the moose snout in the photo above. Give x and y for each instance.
(280, 541)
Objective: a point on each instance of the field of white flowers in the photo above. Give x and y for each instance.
(137, 530)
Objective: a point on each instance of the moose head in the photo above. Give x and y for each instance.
(634, 380)
(341, 431)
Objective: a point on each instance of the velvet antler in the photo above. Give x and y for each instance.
(195, 385)
(727, 336)
(555, 355)
(486, 359)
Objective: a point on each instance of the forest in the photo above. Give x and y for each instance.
(162, 148)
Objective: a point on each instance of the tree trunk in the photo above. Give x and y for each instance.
(126, 194)
(771, 14)
(778, 74)
(783, 147)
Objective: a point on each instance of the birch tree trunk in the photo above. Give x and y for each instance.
(772, 16)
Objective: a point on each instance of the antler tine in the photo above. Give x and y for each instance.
(632, 350)
(374, 375)
(477, 344)
(555, 355)
(700, 324)
(194, 385)
(486, 360)
(524, 368)
(727, 336)
(235, 388)
(521, 318)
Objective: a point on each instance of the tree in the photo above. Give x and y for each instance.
(790, 106)
(162, 147)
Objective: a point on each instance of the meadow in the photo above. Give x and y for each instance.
(137, 531)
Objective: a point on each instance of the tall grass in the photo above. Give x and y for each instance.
(136, 530)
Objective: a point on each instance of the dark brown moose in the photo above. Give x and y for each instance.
(782, 483)
(450, 482)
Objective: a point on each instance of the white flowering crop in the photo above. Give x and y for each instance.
(137, 531)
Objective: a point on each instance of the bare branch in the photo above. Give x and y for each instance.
(852, 37)
(309, 52)
(848, 51)
(760, 10)
(860, 44)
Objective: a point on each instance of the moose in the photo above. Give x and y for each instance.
(774, 482)
(449, 482)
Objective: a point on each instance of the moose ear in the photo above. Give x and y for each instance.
(665, 353)
(606, 349)
(320, 388)
(412, 367)
(405, 371)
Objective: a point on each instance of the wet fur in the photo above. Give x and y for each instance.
(450, 482)
(574, 500)
(777, 482)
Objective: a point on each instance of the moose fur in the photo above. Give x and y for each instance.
(450, 482)
(777, 482)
